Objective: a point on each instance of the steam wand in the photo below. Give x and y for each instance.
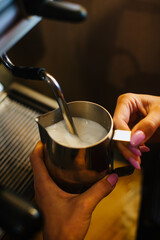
(60, 99)
(41, 74)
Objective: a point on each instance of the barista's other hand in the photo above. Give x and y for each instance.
(66, 216)
(141, 114)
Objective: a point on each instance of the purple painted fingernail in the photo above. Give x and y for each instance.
(134, 163)
(137, 138)
(144, 148)
(112, 179)
(135, 150)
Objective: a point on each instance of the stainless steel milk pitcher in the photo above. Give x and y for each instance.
(76, 169)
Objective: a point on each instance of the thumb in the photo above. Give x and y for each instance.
(144, 129)
(100, 190)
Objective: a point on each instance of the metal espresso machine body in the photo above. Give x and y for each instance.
(19, 105)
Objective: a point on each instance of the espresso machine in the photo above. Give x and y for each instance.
(19, 105)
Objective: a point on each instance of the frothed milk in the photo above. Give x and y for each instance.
(89, 132)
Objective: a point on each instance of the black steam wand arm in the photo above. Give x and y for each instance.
(18, 217)
(58, 10)
(21, 71)
(41, 74)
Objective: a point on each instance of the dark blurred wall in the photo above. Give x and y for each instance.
(116, 50)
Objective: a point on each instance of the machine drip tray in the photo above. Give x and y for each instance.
(18, 136)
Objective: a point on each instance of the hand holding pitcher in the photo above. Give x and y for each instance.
(140, 114)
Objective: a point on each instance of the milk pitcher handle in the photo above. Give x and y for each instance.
(122, 135)
(123, 171)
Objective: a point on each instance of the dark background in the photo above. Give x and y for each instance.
(116, 50)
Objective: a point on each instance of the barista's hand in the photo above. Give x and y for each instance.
(141, 114)
(67, 216)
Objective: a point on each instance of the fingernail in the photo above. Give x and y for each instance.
(144, 149)
(137, 138)
(134, 163)
(112, 179)
(134, 150)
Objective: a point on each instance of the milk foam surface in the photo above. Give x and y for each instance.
(89, 132)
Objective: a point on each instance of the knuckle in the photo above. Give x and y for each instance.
(151, 123)
(83, 205)
(105, 186)
(125, 96)
(157, 107)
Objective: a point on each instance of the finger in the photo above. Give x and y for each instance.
(135, 150)
(37, 153)
(99, 190)
(129, 154)
(144, 130)
(121, 116)
(40, 172)
(144, 148)
(127, 104)
(36, 158)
